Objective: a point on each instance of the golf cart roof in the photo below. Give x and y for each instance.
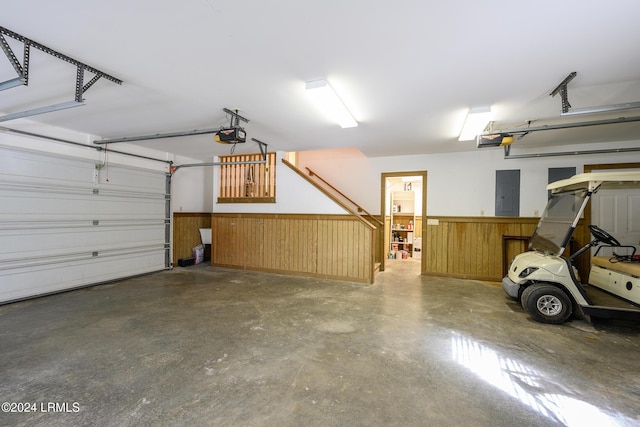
(594, 180)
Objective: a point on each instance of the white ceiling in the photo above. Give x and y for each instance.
(408, 70)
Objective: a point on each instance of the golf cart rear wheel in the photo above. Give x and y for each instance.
(547, 303)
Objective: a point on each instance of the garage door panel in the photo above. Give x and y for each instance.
(48, 278)
(28, 167)
(63, 226)
(19, 204)
(129, 180)
(38, 243)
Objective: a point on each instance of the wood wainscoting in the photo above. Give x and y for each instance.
(475, 247)
(329, 246)
(186, 233)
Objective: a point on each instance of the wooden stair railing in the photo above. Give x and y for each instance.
(376, 225)
(343, 201)
(359, 208)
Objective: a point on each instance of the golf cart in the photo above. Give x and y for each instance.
(547, 284)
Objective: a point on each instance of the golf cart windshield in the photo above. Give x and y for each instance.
(558, 221)
(568, 199)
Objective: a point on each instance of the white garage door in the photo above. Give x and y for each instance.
(62, 226)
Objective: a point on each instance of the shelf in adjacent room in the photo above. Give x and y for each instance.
(402, 220)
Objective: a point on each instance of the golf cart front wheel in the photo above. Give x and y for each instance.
(547, 303)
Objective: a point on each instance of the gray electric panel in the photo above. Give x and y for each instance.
(508, 192)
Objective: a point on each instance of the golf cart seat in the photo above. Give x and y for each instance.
(610, 263)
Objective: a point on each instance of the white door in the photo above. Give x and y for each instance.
(618, 213)
(63, 226)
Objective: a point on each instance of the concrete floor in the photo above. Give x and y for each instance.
(205, 346)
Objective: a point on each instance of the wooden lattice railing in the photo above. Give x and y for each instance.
(242, 182)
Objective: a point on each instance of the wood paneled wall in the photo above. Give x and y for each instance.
(330, 246)
(472, 247)
(341, 247)
(186, 232)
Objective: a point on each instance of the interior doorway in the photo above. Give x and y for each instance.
(404, 208)
(615, 211)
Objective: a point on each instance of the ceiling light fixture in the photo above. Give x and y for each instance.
(476, 121)
(326, 99)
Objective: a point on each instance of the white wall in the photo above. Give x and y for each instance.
(458, 184)
(293, 195)
(191, 187)
(353, 173)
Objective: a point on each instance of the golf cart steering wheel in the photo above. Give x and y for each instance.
(603, 236)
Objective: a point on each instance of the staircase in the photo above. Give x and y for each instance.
(369, 220)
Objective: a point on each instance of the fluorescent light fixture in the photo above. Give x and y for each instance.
(326, 99)
(476, 121)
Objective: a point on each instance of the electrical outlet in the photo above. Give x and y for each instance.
(536, 213)
(482, 212)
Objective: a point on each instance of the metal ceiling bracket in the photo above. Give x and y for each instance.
(263, 148)
(235, 117)
(567, 110)
(11, 56)
(23, 74)
(81, 88)
(26, 52)
(90, 83)
(21, 71)
(562, 89)
(79, 83)
(56, 54)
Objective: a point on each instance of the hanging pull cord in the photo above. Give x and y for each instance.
(106, 162)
